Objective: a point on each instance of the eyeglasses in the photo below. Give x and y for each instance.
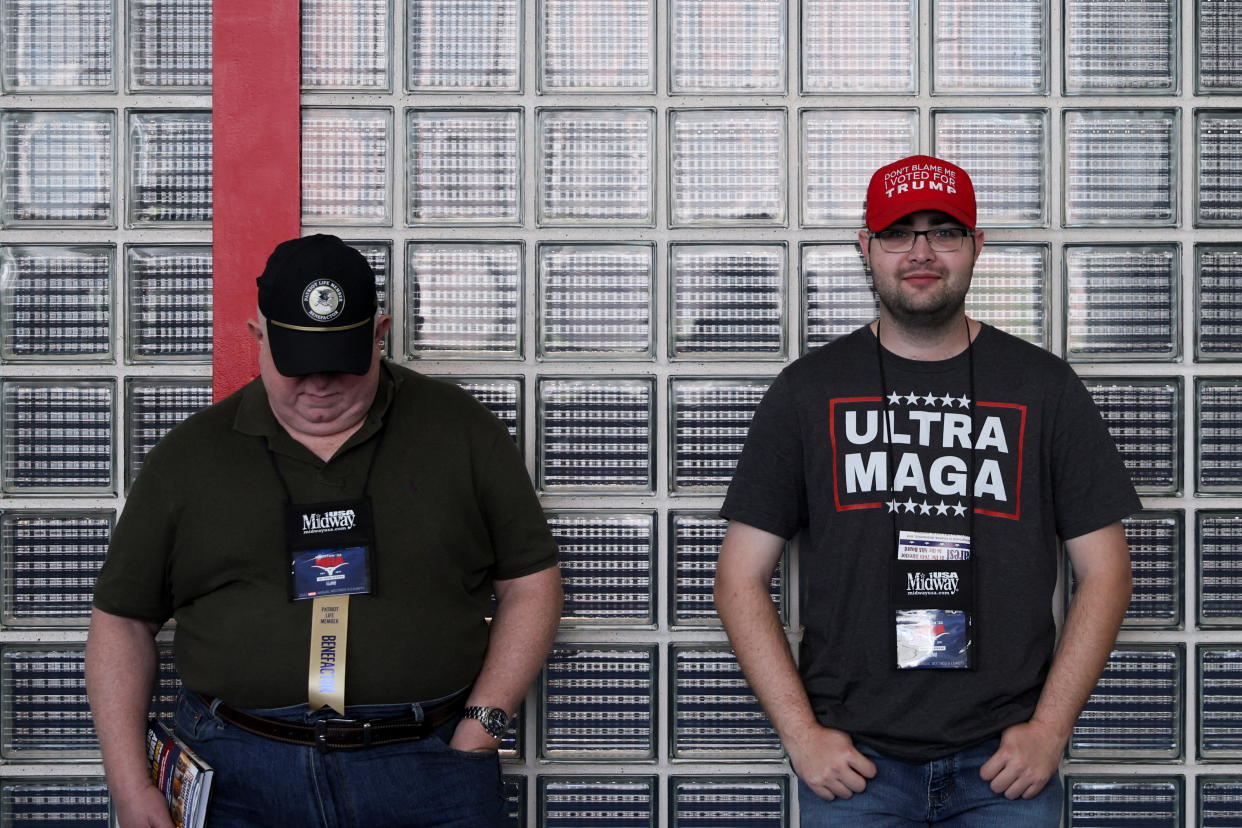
(941, 239)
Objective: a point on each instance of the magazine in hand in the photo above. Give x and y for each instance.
(183, 778)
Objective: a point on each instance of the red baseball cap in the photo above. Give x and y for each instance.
(919, 182)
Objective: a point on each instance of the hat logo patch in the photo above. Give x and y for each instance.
(323, 300)
(918, 177)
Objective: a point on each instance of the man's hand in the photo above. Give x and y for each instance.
(1028, 756)
(470, 736)
(827, 761)
(143, 807)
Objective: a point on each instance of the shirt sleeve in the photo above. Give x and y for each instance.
(768, 490)
(133, 582)
(519, 532)
(1091, 486)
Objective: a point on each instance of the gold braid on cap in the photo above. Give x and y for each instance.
(321, 330)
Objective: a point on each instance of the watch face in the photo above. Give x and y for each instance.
(495, 722)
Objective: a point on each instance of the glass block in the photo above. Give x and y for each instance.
(50, 560)
(595, 300)
(714, 801)
(607, 562)
(58, 45)
(345, 166)
(1124, 801)
(54, 801)
(57, 436)
(1218, 299)
(597, 702)
(170, 45)
(841, 148)
(595, 166)
(708, 424)
(1220, 569)
(859, 46)
(695, 538)
(1218, 410)
(44, 713)
(1219, 168)
(1219, 800)
(170, 168)
(379, 257)
(169, 313)
(1220, 705)
(1121, 302)
(597, 802)
(1218, 47)
(836, 292)
(58, 167)
(345, 44)
(463, 45)
(464, 299)
(587, 45)
(727, 46)
(1144, 419)
(56, 303)
(726, 166)
(513, 742)
(515, 800)
(463, 167)
(715, 714)
(990, 46)
(500, 395)
(1155, 539)
(1121, 168)
(728, 301)
(1135, 711)
(1009, 290)
(1006, 154)
(1121, 46)
(596, 434)
(152, 407)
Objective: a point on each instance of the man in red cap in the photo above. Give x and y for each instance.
(328, 539)
(930, 464)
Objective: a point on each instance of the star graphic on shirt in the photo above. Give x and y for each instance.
(911, 399)
(942, 508)
(963, 401)
(894, 398)
(925, 508)
(946, 401)
(929, 399)
(892, 505)
(958, 509)
(910, 505)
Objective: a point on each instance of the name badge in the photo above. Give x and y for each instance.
(933, 600)
(330, 548)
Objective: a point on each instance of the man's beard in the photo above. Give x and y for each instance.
(932, 318)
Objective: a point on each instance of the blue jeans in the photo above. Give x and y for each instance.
(946, 791)
(261, 783)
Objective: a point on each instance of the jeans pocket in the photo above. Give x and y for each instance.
(190, 716)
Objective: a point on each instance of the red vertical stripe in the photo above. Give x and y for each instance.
(256, 158)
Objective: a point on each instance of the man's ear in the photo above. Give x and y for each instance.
(978, 244)
(864, 240)
(382, 323)
(256, 329)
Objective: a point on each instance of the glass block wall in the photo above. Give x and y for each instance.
(613, 222)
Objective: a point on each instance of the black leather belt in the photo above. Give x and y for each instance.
(343, 734)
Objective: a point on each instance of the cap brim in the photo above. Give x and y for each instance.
(879, 221)
(298, 353)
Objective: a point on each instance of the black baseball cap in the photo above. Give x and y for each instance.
(318, 296)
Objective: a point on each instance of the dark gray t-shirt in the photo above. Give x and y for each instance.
(1043, 467)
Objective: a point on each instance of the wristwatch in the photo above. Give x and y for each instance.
(494, 720)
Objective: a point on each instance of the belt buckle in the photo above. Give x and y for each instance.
(321, 732)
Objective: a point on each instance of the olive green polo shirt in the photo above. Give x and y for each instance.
(201, 540)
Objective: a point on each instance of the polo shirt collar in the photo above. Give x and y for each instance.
(254, 416)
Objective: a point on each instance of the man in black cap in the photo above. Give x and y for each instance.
(328, 539)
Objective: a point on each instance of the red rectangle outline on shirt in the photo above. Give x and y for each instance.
(832, 436)
(1017, 513)
(836, 493)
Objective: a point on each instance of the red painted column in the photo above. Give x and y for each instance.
(256, 165)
